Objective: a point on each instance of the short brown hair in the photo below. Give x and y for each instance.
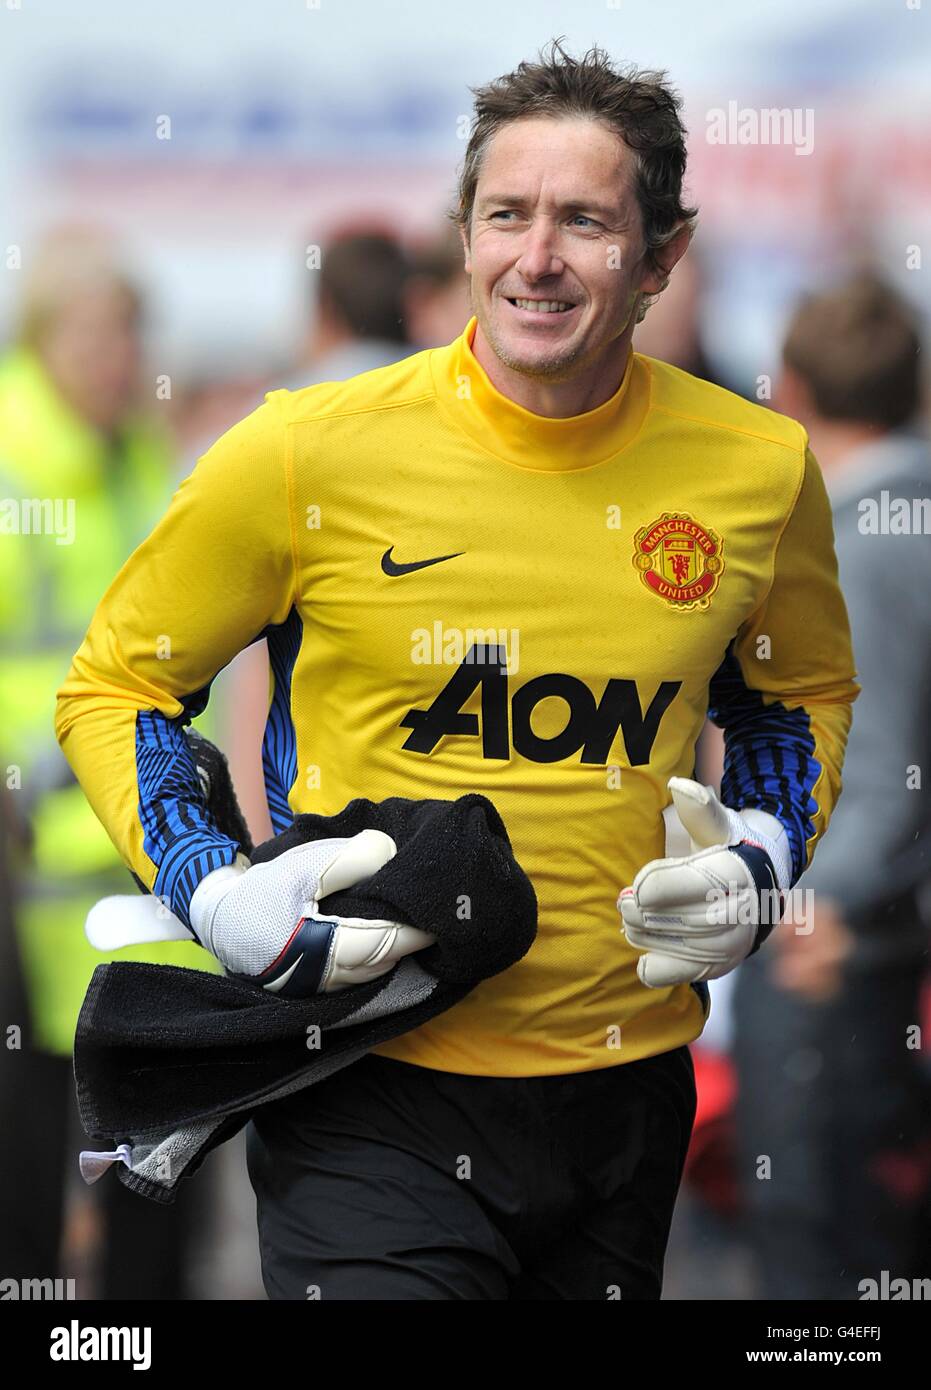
(362, 278)
(858, 350)
(639, 106)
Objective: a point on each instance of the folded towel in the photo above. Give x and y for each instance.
(170, 1062)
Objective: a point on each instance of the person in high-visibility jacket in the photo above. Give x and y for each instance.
(83, 474)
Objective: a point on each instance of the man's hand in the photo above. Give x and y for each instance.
(697, 916)
(263, 921)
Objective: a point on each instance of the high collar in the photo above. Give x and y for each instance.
(524, 439)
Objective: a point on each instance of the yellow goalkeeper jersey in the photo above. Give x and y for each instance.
(462, 596)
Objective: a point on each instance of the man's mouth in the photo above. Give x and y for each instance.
(542, 306)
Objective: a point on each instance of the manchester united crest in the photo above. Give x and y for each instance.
(679, 560)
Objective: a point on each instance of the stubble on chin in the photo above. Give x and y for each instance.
(558, 364)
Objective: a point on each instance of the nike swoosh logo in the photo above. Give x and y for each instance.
(392, 567)
(282, 980)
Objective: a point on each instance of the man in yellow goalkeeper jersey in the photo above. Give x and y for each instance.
(527, 564)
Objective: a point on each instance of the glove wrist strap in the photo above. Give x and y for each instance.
(207, 895)
(775, 841)
(764, 878)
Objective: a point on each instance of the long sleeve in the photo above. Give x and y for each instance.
(213, 574)
(784, 692)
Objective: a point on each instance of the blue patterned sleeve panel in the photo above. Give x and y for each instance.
(769, 756)
(178, 836)
(784, 692)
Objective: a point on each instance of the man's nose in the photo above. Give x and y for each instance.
(539, 252)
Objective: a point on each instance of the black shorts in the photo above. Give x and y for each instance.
(392, 1181)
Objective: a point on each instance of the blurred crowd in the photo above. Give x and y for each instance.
(810, 1164)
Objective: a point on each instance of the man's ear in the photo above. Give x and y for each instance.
(464, 235)
(667, 257)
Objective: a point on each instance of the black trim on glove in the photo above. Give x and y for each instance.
(764, 879)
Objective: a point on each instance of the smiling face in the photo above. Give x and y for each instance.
(556, 251)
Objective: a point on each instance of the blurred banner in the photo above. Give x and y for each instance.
(224, 144)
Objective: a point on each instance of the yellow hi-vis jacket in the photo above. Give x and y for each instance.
(71, 511)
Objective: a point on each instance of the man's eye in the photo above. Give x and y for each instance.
(580, 217)
(504, 212)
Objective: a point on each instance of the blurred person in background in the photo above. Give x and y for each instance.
(829, 1085)
(436, 296)
(358, 324)
(355, 323)
(84, 470)
(359, 320)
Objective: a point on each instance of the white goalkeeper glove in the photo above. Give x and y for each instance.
(264, 923)
(698, 915)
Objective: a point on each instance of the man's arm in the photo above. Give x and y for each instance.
(213, 574)
(783, 693)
